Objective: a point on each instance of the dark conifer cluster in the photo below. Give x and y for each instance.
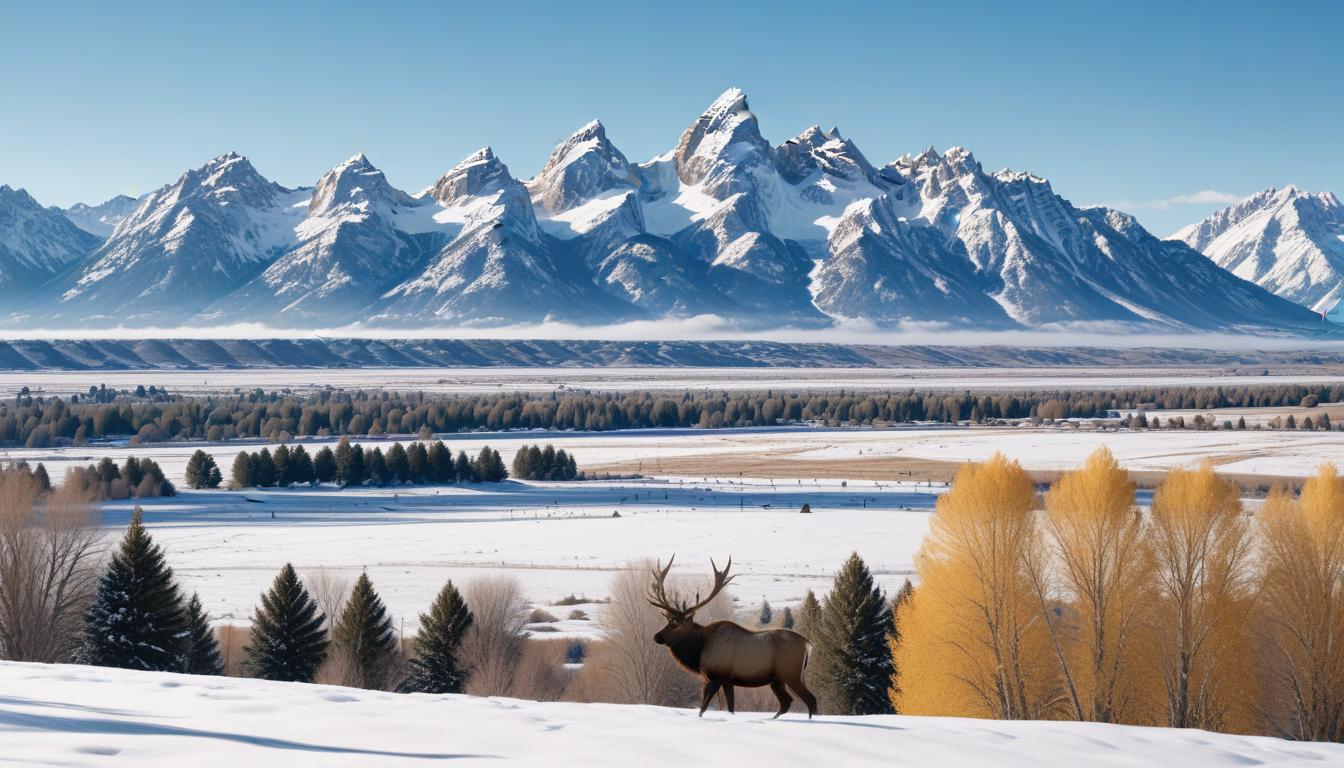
(535, 463)
(352, 464)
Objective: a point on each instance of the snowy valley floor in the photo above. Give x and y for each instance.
(74, 716)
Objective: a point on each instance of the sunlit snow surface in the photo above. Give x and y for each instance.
(87, 716)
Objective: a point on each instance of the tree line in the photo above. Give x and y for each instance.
(135, 478)
(350, 464)
(37, 422)
(1080, 606)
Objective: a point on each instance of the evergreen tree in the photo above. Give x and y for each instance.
(463, 470)
(241, 474)
(809, 615)
(440, 463)
(417, 459)
(131, 472)
(365, 638)
(324, 465)
(200, 651)
(343, 473)
(301, 466)
(435, 667)
(852, 662)
(137, 619)
(767, 615)
(197, 469)
(288, 641)
(263, 470)
(398, 464)
(283, 468)
(376, 470)
(358, 470)
(787, 621)
(524, 467)
(547, 468)
(43, 479)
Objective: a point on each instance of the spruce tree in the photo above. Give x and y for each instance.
(43, 479)
(200, 651)
(283, 468)
(288, 641)
(398, 464)
(342, 457)
(435, 668)
(463, 470)
(137, 620)
(300, 466)
(809, 615)
(202, 472)
(767, 615)
(241, 475)
(365, 639)
(440, 463)
(376, 469)
(417, 459)
(787, 621)
(851, 662)
(263, 469)
(324, 465)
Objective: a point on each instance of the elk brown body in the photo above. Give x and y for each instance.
(724, 654)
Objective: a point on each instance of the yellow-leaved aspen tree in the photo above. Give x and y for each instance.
(972, 642)
(1098, 568)
(1303, 607)
(1202, 542)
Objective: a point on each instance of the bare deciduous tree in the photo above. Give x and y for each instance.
(49, 546)
(494, 645)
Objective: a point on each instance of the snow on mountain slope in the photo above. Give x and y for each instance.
(36, 243)
(500, 267)
(187, 245)
(101, 219)
(92, 716)
(349, 252)
(801, 234)
(1288, 241)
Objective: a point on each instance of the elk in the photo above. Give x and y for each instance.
(724, 654)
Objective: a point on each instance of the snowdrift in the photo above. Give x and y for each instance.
(85, 716)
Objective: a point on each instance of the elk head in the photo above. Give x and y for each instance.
(681, 616)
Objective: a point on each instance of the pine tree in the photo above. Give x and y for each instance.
(200, 651)
(417, 459)
(300, 466)
(365, 639)
(343, 458)
(435, 667)
(43, 479)
(787, 622)
(241, 474)
(767, 615)
(137, 619)
(324, 465)
(263, 469)
(288, 641)
(809, 615)
(852, 661)
(376, 470)
(463, 470)
(440, 463)
(197, 469)
(398, 464)
(283, 468)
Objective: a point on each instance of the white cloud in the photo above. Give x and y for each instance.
(1202, 197)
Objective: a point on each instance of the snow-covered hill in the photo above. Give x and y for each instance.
(1288, 241)
(88, 716)
(800, 234)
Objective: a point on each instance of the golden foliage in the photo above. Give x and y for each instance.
(1302, 607)
(972, 643)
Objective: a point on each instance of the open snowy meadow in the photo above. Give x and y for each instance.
(88, 716)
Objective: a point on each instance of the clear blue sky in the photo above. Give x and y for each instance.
(1134, 103)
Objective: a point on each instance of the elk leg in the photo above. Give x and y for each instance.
(728, 696)
(711, 688)
(785, 699)
(806, 696)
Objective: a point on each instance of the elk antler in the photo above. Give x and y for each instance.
(721, 579)
(658, 591)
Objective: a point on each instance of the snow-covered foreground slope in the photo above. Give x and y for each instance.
(87, 716)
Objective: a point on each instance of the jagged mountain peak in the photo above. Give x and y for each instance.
(480, 173)
(35, 242)
(355, 181)
(581, 168)
(102, 219)
(718, 150)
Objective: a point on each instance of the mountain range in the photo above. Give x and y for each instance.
(805, 233)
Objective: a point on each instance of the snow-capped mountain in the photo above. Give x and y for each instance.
(804, 233)
(36, 243)
(101, 219)
(186, 246)
(1288, 241)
